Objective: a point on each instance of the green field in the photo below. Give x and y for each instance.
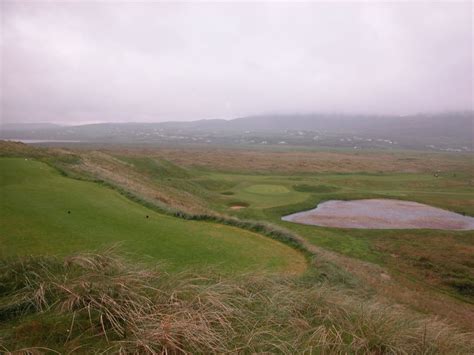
(46, 213)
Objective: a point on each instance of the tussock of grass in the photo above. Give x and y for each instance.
(101, 303)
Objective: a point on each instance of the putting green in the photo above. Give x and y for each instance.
(267, 189)
(46, 213)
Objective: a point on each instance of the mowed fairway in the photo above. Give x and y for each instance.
(43, 212)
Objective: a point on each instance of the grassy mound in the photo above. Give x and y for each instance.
(102, 303)
(46, 213)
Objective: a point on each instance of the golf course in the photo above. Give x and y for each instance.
(236, 177)
(46, 213)
(101, 245)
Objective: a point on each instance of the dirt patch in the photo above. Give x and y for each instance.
(381, 214)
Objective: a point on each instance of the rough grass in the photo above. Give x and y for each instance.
(300, 161)
(447, 262)
(101, 303)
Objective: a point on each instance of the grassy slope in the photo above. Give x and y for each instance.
(36, 199)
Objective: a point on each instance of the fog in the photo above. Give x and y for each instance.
(81, 62)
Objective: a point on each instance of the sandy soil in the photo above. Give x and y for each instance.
(237, 207)
(381, 214)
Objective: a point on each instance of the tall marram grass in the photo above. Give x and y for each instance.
(92, 303)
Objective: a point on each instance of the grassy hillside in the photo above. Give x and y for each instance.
(46, 213)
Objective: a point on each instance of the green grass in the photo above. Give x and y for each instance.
(258, 191)
(35, 220)
(314, 188)
(272, 196)
(267, 189)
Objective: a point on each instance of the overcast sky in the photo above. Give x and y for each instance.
(78, 62)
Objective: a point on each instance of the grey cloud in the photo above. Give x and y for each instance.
(103, 61)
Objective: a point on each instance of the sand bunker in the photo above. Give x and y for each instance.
(237, 207)
(381, 214)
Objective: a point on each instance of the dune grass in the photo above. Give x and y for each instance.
(46, 213)
(100, 302)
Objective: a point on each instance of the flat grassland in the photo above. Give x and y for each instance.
(46, 213)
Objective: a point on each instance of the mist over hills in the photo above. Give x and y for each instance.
(443, 131)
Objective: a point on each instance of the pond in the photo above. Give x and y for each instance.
(381, 214)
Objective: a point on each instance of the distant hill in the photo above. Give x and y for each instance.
(458, 124)
(445, 131)
(28, 126)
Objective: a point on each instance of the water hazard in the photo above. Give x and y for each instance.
(381, 214)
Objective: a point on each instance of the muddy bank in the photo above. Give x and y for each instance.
(381, 214)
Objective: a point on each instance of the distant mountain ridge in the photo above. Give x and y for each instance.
(452, 127)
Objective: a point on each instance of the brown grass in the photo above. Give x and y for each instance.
(287, 161)
(115, 307)
(105, 167)
(398, 288)
(446, 264)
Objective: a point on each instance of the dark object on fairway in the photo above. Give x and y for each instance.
(147, 216)
(68, 212)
